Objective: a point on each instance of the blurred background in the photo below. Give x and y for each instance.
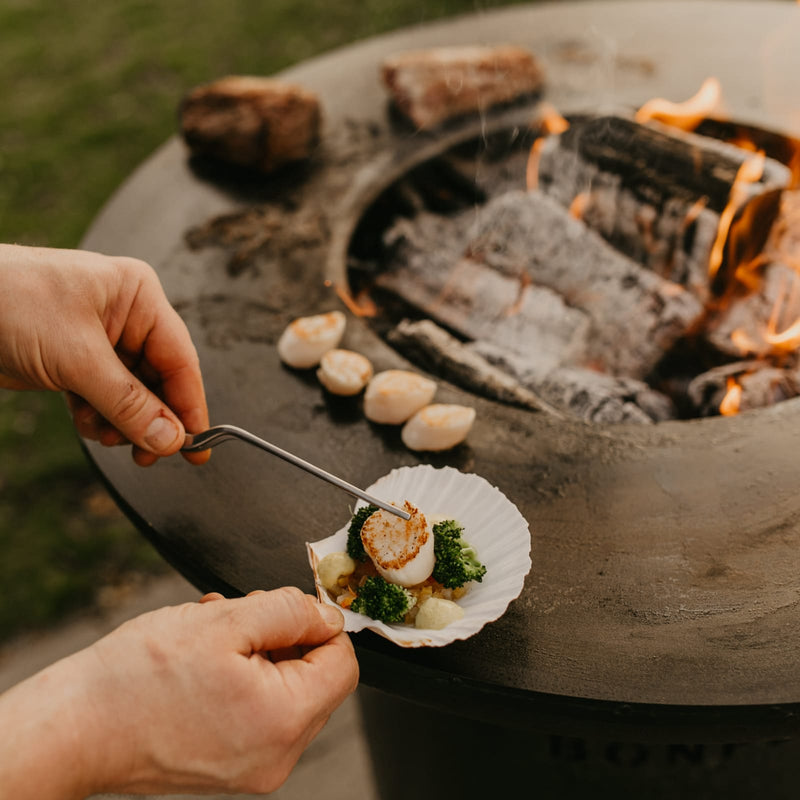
(88, 92)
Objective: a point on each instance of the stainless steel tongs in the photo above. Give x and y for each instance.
(195, 442)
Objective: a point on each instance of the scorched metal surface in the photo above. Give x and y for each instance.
(665, 558)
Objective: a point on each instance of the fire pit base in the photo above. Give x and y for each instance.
(662, 606)
(478, 760)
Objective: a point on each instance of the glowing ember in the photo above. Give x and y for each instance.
(743, 341)
(733, 399)
(687, 115)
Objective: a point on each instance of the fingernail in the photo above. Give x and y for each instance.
(332, 616)
(160, 434)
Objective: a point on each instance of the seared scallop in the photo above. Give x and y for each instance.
(394, 395)
(439, 426)
(344, 372)
(305, 340)
(401, 550)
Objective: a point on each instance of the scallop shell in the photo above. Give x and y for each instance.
(492, 524)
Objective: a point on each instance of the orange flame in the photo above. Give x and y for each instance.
(733, 398)
(577, 207)
(552, 122)
(688, 114)
(787, 339)
(360, 306)
(749, 172)
(743, 342)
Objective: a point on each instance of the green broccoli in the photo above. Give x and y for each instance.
(456, 560)
(355, 547)
(379, 599)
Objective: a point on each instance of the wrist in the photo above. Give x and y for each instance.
(50, 748)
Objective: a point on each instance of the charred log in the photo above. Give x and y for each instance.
(432, 86)
(478, 302)
(656, 193)
(758, 384)
(583, 393)
(425, 343)
(496, 373)
(254, 122)
(521, 272)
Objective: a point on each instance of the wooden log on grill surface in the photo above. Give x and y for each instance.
(250, 121)
(654, 192)
(634, 315)
(439, 84)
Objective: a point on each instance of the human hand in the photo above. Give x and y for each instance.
(102, 330)
(205, 697)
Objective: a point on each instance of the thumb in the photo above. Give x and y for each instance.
(129, 406)
(285, 618)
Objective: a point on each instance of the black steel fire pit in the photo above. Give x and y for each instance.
(658, 632)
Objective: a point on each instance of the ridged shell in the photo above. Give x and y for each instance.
(492, 523)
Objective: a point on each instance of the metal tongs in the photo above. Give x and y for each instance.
(195, 442)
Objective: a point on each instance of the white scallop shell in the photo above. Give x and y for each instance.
(492, 524)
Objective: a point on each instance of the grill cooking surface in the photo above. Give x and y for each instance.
(665, 557)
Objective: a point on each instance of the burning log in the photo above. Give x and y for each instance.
(742, 386)
(255, 122)
(757, 323)
(523, 274)
(748, 326)
(432, 86)
(657, 193)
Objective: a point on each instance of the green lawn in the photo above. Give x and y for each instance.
(88, 91)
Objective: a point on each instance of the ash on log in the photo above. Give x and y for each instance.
(424, 342)
(656, 193)
(432, 86)
(583, 393)
(476, 301)
(523, 256)
(496, 373)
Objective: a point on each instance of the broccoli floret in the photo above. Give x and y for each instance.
(456, 561)
(379, 599)
(355, 547)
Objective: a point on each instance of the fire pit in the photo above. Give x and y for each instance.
(657, 631)
(603, 320)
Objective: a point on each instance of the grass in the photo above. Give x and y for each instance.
(89, 90)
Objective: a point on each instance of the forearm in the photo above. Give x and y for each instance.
(43, 753)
